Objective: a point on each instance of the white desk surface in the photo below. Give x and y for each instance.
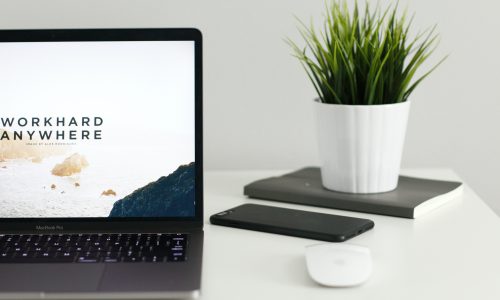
(450, 253)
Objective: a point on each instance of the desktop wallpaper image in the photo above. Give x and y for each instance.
(97, 130)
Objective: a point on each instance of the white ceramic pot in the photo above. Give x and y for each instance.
(360, 146)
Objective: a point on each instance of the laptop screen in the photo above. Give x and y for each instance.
(97, 129)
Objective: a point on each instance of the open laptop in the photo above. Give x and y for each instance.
(101, 190)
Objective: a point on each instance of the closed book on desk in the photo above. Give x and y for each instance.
(412, 198)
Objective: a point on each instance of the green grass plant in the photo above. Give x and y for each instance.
(364, 57)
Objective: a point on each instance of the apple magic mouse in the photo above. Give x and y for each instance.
(338, 265)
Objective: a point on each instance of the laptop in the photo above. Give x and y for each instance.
(101, 187)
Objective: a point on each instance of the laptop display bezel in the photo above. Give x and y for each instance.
(120, 224)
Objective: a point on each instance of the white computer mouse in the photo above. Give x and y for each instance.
(338, 265)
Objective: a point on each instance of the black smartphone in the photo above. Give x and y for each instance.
(299, 223)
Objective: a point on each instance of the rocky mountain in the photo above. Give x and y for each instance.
(169, 196)
(12, 147)
(71, 165)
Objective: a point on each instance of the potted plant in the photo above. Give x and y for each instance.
(363, 65)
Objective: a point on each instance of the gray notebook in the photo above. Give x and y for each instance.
(412, 198)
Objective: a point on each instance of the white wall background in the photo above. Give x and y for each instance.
(258, 111)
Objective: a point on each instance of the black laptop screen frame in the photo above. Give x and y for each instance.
(119, 224)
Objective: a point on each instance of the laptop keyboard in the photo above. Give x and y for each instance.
(92, 248)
